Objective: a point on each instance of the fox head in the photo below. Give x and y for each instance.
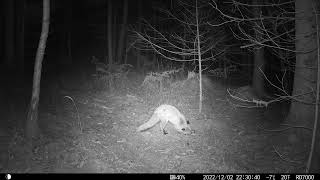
(183, 126)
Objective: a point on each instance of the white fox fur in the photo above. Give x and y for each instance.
(166, 113)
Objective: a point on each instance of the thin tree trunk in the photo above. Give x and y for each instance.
(105, 34)
(110, 34)
(68, 26)
(9, 33)
(65, 58)
(110, 57)
(257, 77)
(123, 31)
(155, 18)
(114, 33)
(314, 158)
(32, 128)
(199, 60)
(139, 63)
(20, 35)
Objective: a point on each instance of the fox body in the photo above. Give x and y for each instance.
(166, 113)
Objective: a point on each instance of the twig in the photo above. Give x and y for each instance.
(79, 121)
(285, 159)
(258, 103)
(284, 129)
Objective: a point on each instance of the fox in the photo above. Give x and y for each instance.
(167, 113)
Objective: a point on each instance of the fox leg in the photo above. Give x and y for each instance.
(162, 126)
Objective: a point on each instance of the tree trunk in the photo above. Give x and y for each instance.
(257, 77)
(65, 57)
(20, 35)
(32, 128)
(2, 31)
(139, 63)
(9, 33)
(304, 77)
(109, 29)
(110, 56)
(68, 24)
(114, 25)
(123, 31)
(305, 71)
(199, 60)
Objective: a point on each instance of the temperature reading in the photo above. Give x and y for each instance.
(285, 177)
(271, 177)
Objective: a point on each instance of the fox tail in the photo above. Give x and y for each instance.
(153, 121)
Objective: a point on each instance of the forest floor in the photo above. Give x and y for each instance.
(95, 132)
